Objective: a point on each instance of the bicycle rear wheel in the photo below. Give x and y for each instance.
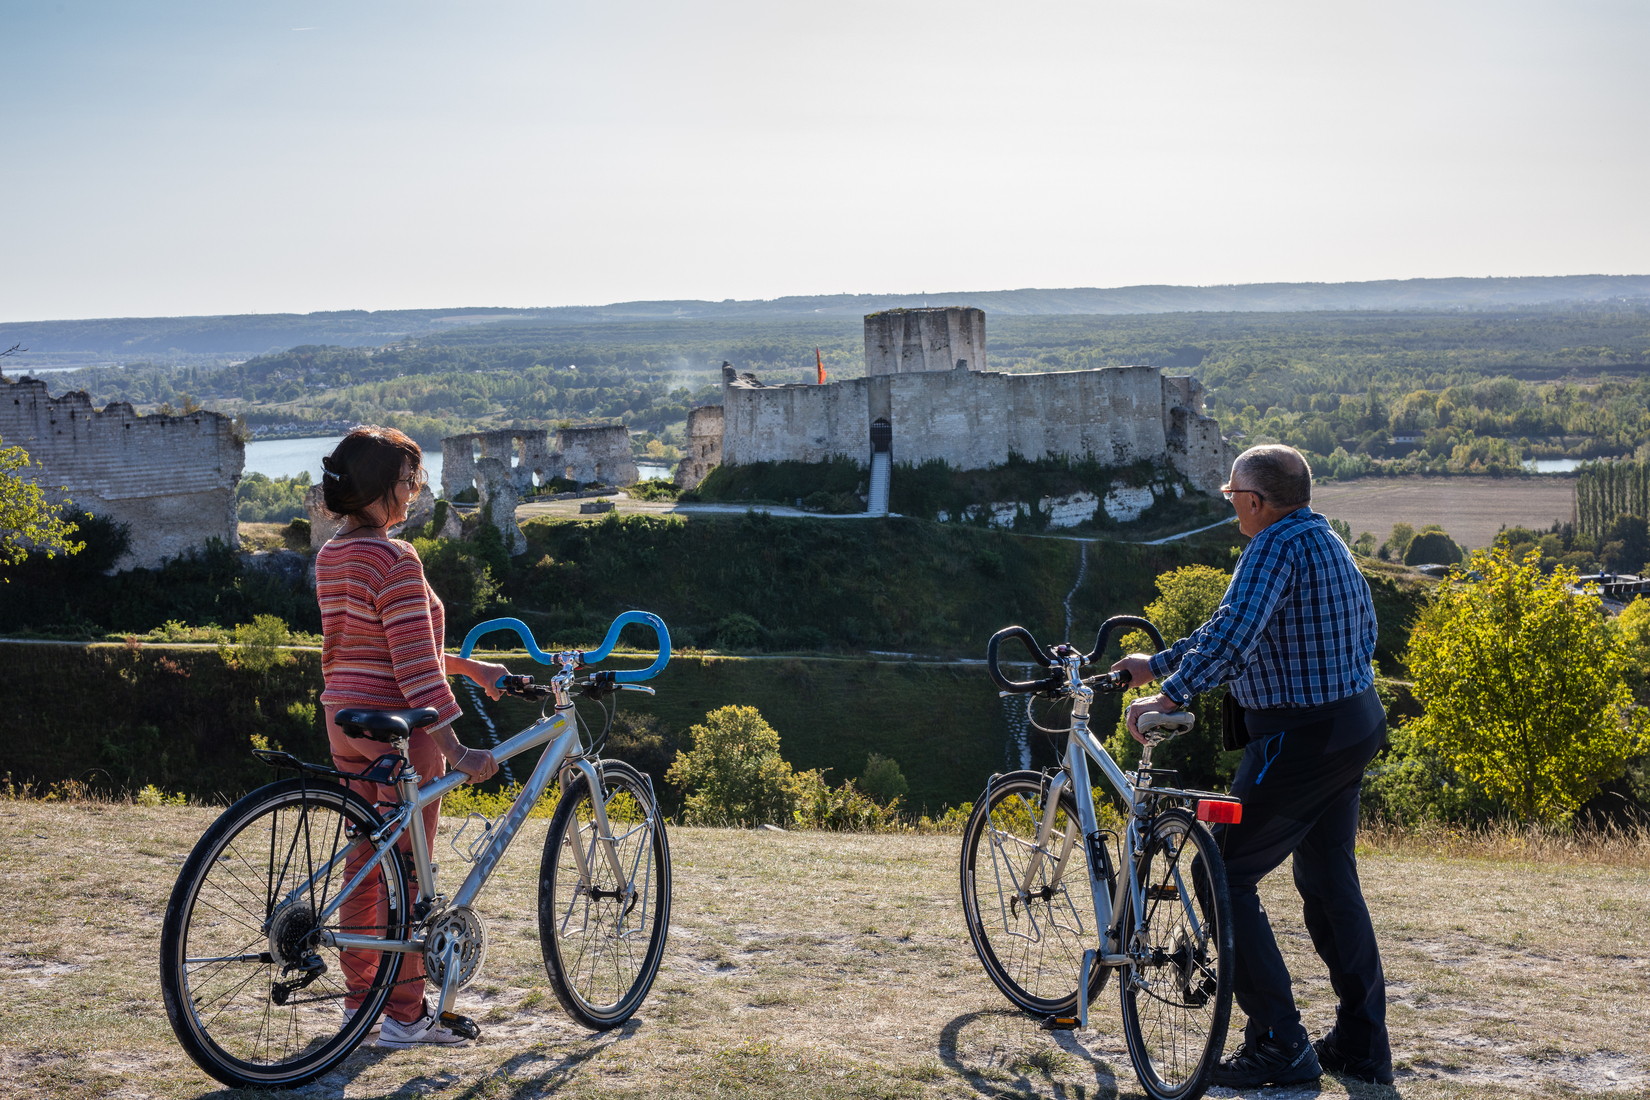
(252, 995)
(1031, 940)
(603, 935)
(1177, 986)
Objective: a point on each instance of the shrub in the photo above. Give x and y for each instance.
(733, 773)
(653, 489)
(1524, 687)
(1432, 545)
(258, 644)
(883, 780)
(843, 809)
(738, 632)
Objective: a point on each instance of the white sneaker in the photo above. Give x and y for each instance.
(424, 1030)
(349, 1014)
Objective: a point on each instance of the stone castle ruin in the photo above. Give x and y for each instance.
(170, 479)
(704, 446)
(504, 465)
(927, 395)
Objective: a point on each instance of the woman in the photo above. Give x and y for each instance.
(382, 630)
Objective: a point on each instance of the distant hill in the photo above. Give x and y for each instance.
(181, 338)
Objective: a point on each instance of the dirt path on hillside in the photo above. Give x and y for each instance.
(1471, 509)
(824, 965)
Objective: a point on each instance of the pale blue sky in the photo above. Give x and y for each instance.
(182, 158)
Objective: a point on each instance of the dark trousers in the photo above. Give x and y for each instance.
(1299, 786)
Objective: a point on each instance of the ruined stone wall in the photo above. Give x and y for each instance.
(975, 419)
(797, 423)
(524, 458)
(171, 479)
(597, 454)
(704, 446)
(522, 453)
(1193, 441)
(901, 341)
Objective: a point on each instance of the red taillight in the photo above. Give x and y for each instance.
(1219, 812)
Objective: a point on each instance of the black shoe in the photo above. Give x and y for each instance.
(1271, 1061)
(1361, 1069)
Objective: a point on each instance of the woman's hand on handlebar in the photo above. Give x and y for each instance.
(1139, 668)
(485, 674)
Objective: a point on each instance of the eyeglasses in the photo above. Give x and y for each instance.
(414, 482)
(1227, 491)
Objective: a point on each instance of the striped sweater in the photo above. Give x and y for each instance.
(382, 628)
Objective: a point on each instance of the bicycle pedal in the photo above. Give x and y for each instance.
(461, 1025)
(1059, 1023)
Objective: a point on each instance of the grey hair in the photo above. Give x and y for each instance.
(1279, 473)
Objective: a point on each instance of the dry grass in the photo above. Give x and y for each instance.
(828, 965)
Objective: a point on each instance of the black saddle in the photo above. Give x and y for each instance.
(384, 725)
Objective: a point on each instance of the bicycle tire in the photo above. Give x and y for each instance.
(589, 932)
(1031, 949)
(1176, 989)
(245, 901)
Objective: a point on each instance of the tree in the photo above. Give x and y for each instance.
(27, 520)
(1432, 545)
(1188, 597)
(1397, 542)
(1626, 544)
(733, 774)
(882, 779)
(1523, 687)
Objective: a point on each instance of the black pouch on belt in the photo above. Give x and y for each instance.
(1234, 732)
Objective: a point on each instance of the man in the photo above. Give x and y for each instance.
(1293, 640)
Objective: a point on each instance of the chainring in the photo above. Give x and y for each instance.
(460, 925)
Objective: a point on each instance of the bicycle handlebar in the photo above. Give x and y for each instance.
(1038, 653)
(1112, 624)
(624, 676)
(1046, 659)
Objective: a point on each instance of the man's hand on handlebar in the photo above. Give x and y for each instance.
(1139, 668)
(1145, 705)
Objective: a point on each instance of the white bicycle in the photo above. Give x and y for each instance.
(1052, 911)
(259, 928)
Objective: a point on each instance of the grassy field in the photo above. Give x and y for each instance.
(1471, 509)
(827, 965)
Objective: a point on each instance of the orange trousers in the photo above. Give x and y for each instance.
(368, 909)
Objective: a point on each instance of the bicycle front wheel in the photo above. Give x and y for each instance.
(253, 995)
(1177, 985)
(1028, 926)
(603, 930)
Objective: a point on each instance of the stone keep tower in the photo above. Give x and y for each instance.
(903, 341)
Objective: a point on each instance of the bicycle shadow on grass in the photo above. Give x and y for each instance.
(1000, 1050)
(531, 1073)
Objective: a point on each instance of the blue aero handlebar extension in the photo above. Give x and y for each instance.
(627, 676)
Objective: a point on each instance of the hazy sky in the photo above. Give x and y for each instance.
(177, 158)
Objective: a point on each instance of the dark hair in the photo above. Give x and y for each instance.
(1279, 473)
(363, 469)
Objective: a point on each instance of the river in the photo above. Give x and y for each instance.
(289, 457)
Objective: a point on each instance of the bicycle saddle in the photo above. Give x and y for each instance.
(384, 725)
(1159, 725)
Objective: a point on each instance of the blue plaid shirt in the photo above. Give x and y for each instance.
(1296, 627)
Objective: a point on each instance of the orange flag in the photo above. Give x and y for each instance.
(821, 363)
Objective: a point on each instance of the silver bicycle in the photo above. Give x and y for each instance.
(1052, 910)
(299, 886)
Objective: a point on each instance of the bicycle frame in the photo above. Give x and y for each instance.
(1137, 791)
